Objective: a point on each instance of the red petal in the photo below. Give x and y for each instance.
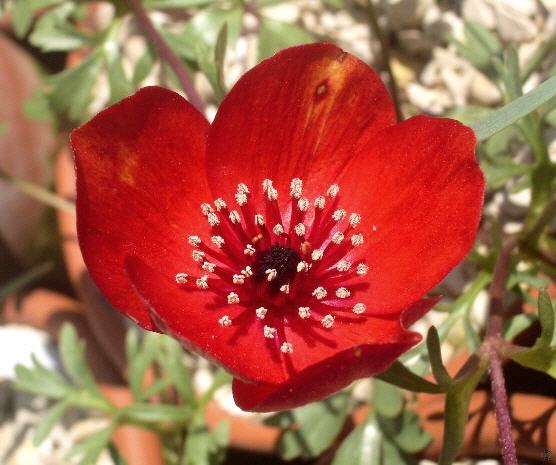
(140, 181)
(355, 358)
(420, 185)
(192, 317)
(296, 114)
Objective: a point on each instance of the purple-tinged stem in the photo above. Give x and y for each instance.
(166, 53)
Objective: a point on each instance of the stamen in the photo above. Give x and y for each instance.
(238, 279)
(247, 271)
(296, 188)
(354, 219)
(300, 229)
(285, 288)
(339, 215)
(259, 220)
(241, 198)
(359, 308)
(337, 237)
(249, 250)
(343, 265)
(242, 187)
(319, 202)
(271, 274)
(333, 190)
(220, 204)
(270, 191)
(303, 204)
(261, 313)
(234, 217)
(202, 282)
(357, 239)
(320, 293)
(206, 208)
(316, 254)
(303, 266)
(194, 241)
(269, 332)
(198, 256)
(225, 321)
(181, 278)
(278, 230)
(342, 293)
(208, 266)
(213, 219)
(218, 241)
(233, 298)
(304, 312)
(327, 321)
(286, 348)
(362, 269)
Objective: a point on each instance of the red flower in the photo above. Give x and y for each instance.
(336, 221)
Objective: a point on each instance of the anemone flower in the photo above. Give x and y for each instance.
(290, 241)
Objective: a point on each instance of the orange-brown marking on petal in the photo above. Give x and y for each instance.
(127, 166)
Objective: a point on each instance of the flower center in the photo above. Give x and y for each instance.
(276, 269)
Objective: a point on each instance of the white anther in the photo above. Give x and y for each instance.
(359, 308)
(278, 230)
(249, 250)
(337, 237)
(339, 215)
(362, 269)
(271, 274)
(238, 279)
(220, 204)
(261, 313)
(296, 187)
(218, 241)
(270, 191)
(343, 265)
(327, 321)
(286, 348)
(181, 278)
(285, 288)
(302, 266)
(319, 202)
(234, 217)
(247, 271)
(208, 266)
(299, 229)
(269, 332)
(194, 241)
(241, 198)
(303, 204)
(198, 256)
(206, 208)
(354, 219)
(233, 298)
(316, 254)
(202, 282)
(333, 190)
(357, 239)
(304, 312)
(342, 293)
(242, 187)
(320, 293)
(259, 220)
(213, 219)
(225, 321)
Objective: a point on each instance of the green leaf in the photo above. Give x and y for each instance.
(25, 279)
(141, 361)
(387, 399)
(517, 324)
(276, 35)
(37, 107)
(362, 446)
(90, 449)
(143, 66)
(156, 413)
(205, 447)
(53, 32)
(119, 84)
(399, 375)
(176, 3)
(438, 370)
(515, 110)
(72, 352)
(48, 421)
(40, 380)
(480, 47)
(172, 360)
(207, 25)
(22, 13)
(316, 427)
(405, 432)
